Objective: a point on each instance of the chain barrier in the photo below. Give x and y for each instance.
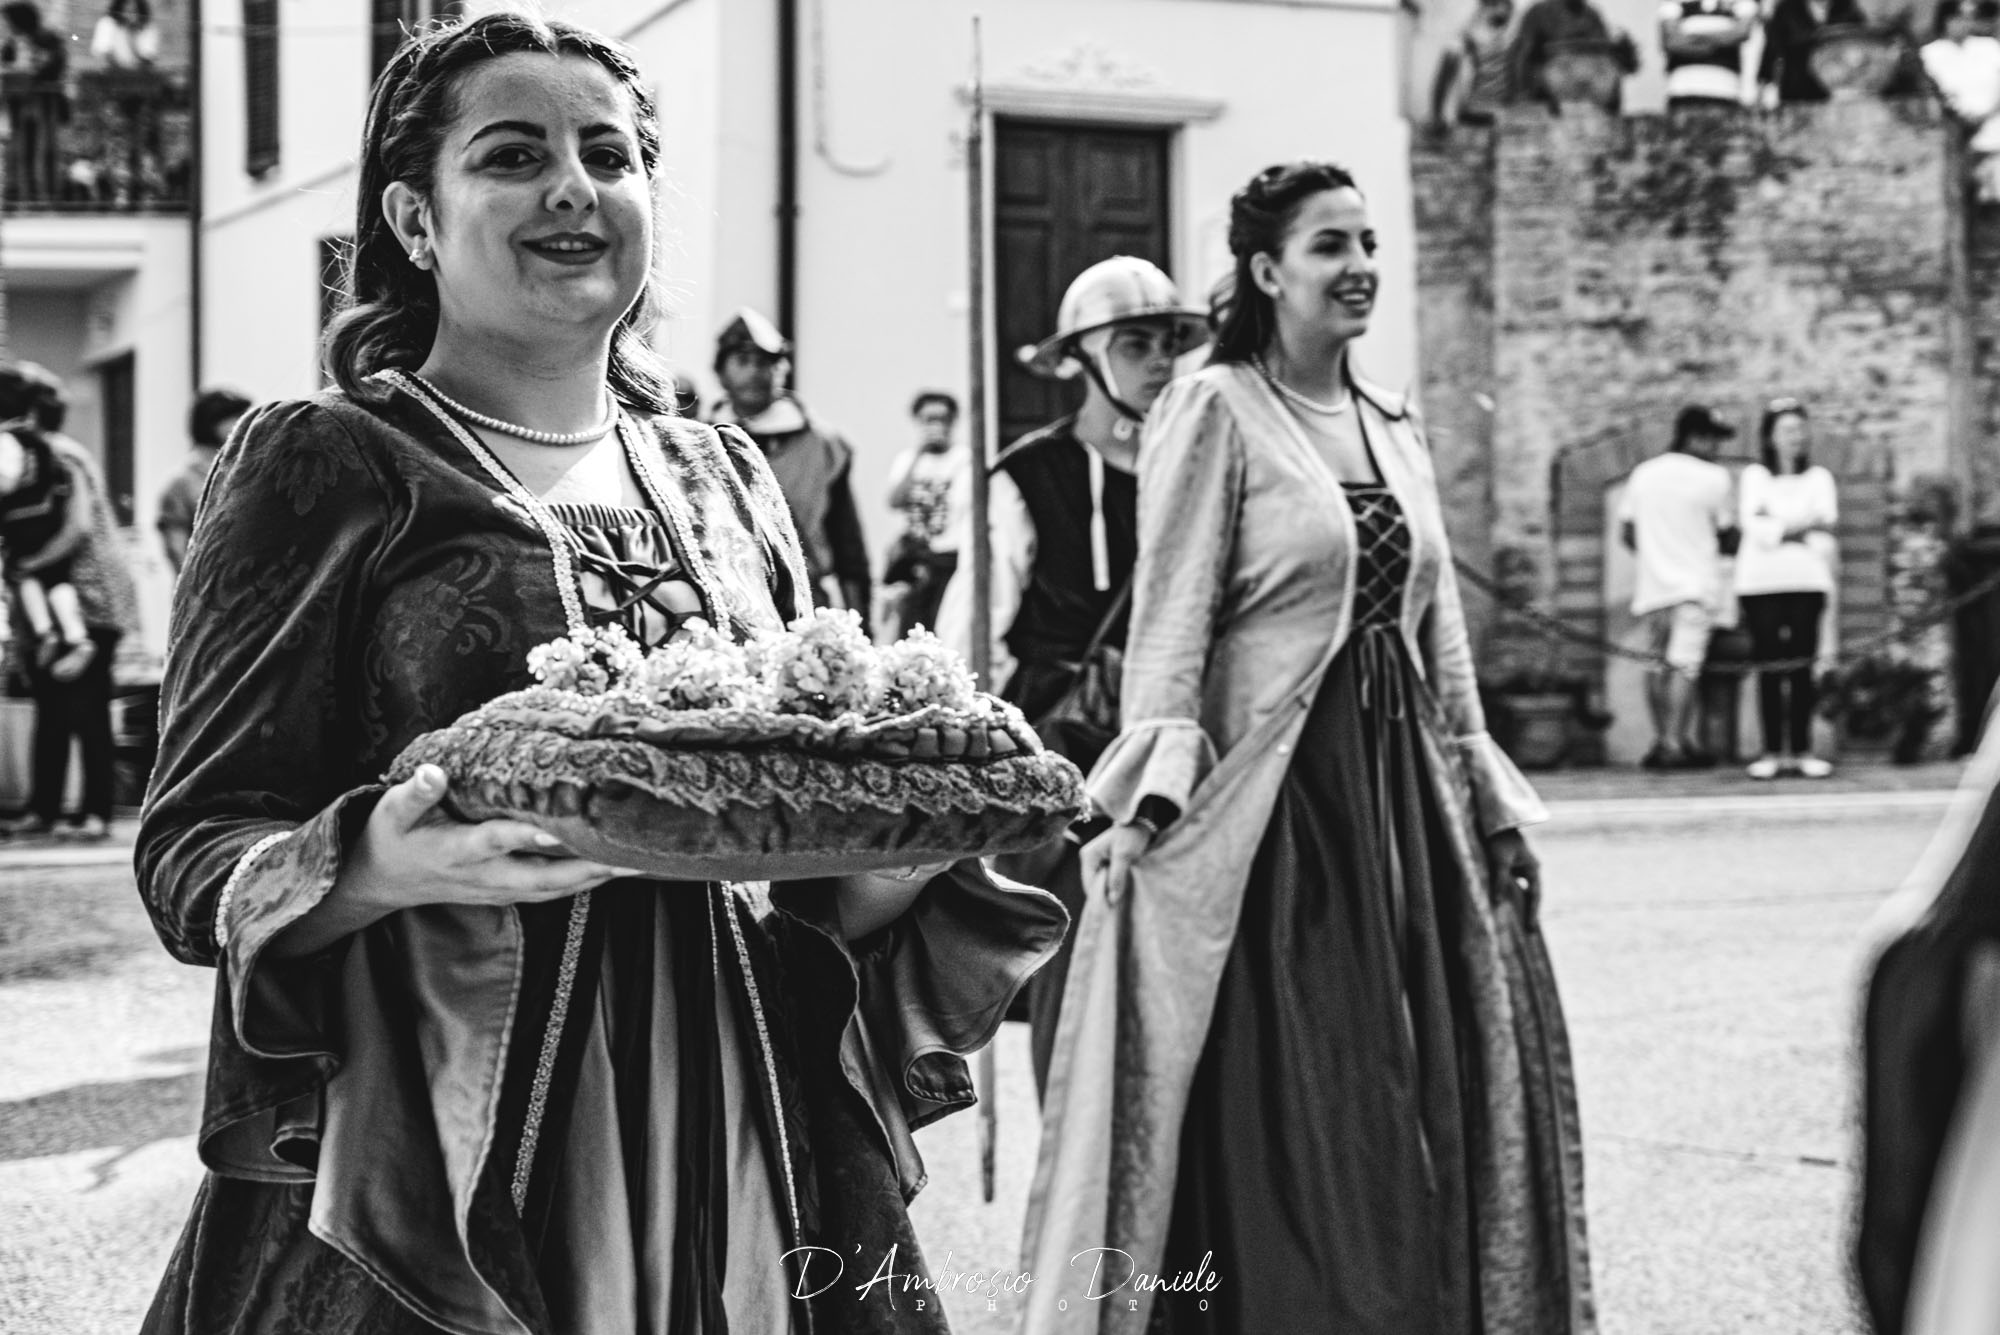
(1554, 625)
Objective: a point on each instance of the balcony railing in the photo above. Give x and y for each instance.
(102, 141)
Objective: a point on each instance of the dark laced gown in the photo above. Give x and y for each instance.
(1323, 1161)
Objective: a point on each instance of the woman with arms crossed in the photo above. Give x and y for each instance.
(458, 1080)
(1311, 1071)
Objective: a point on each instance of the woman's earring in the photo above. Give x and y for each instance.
(417, 254)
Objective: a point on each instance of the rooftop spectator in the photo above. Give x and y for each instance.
(1703, 41)
(1474, 80)
(1554, 23)
(1786, 69)
(1965, 69)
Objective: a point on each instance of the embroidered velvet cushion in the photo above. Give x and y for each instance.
(748, 793)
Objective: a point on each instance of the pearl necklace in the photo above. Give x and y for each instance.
(1287, 392)
(583, 437)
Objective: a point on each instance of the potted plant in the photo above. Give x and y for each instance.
(1537, 714)
(1883, 703)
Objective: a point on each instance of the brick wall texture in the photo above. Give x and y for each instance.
(1581, 278)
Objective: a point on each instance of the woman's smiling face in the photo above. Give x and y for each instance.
(542, 212)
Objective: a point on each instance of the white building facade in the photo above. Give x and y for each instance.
(1112, 125)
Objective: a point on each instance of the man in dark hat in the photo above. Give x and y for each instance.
(1678, 516)
(810, 460)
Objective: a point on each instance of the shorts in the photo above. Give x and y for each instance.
(1680, 635)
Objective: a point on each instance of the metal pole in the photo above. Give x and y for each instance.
(982, 538)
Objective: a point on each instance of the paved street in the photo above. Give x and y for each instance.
(1707, 955)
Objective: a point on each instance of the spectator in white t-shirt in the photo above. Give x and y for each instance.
(1677, 517)
(1784, 576)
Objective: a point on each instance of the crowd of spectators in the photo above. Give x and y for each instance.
(1745, 52)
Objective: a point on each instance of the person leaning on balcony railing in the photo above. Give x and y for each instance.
(38, 111)
(126, 38)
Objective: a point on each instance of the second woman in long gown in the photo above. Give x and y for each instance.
(1312, 1075)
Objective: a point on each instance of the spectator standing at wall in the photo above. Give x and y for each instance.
(1964, 66)
(213, 417)
(812, 462)
(79, 708)
(126, 38)
(1703, 41)
(1786, 67)
(1474, 78)
(1784, 577)
(1677, 518)
(1550, 24)
(928, 485)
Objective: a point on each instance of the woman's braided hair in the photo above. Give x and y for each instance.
(1260, 214)
(389, 309)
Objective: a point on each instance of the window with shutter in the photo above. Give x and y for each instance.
(391, 20)
(260, 85)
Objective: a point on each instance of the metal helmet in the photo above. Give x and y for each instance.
(1119, 290)
(751, 329)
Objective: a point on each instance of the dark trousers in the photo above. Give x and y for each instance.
(1785, 625)
(79, 709)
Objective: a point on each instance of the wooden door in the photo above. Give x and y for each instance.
(1064, 197)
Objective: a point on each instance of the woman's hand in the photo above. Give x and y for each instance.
(410, 853)
(1516, 873)
(869, 901)
(1116, 850)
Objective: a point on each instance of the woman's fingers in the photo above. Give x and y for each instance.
(499, 838)
(407, 803)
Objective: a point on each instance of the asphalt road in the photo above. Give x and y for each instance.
(1709, 970)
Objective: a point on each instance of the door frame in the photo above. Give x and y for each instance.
(1084, 108)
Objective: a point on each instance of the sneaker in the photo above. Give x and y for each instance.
(73, 661)
(1658, 758)
(26, 826)
(1763, 767)
(1812, 767)
(1695, 758)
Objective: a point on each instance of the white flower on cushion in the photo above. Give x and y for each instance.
(920, 670)
(699, 668)
(590, 662)
(823, 664)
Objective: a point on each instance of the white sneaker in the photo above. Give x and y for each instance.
(1812, 767)
(1763, 767)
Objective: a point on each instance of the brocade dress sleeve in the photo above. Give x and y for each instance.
(256, 791)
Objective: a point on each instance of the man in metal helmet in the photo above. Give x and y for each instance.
(811, 461)
(1063, 512)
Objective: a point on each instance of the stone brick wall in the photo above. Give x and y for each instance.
(1586, 276)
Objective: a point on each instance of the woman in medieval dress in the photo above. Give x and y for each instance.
(1314, 1075)
(460, 1081)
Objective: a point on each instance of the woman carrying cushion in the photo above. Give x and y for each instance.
(1784, 576)
(459, 1080)
(1312, 1061)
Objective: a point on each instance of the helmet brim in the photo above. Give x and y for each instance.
(1045, 359)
